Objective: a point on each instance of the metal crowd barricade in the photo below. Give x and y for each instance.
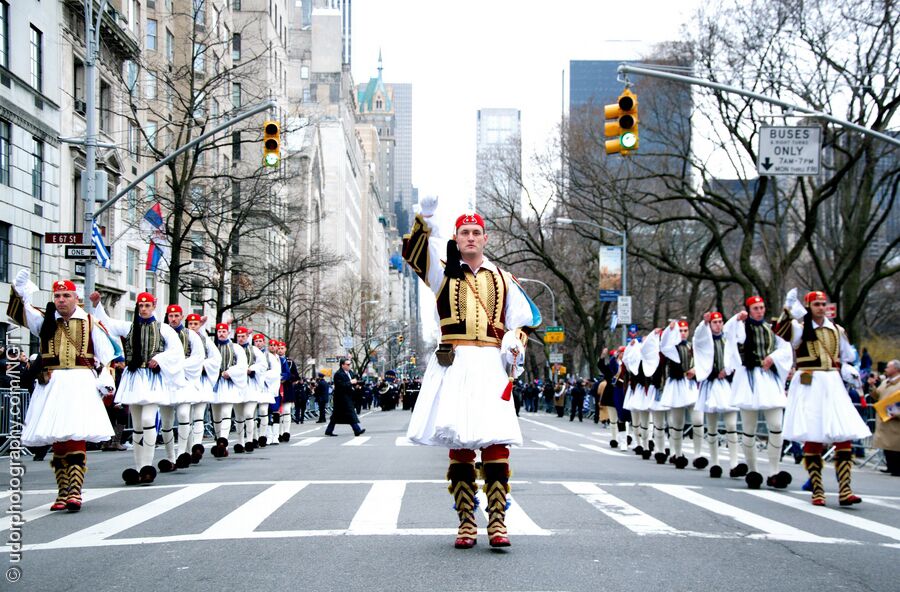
(9, 415)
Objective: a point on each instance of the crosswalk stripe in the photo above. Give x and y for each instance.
(829, 514)
(33, 514)
(600, 449)
(622, 512)
(380, 510)
(357, 441)
(246, 518)
(103, 530)
(403, 441)
(773, 529)
(517, 521)
(308, 441)
(551, 445)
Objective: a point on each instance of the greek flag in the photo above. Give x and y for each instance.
(103, 256)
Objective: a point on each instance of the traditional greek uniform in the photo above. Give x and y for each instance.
(465, 405)
(209, 372)
(714, 398)
(143, 388)
(227, 391)
(289, 377)
(819, 409)
(65, 408)
(256, 393)
(268, 397)
(653, 369)
(680, 392)
(754, 389)
(636, 400)
(183, 397)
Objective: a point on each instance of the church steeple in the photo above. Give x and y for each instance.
(380, 66)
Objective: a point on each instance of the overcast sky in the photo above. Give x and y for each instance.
(471, 54)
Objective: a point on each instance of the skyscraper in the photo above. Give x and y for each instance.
(403, 187)
(498, 163)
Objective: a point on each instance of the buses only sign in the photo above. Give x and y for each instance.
(789, 151)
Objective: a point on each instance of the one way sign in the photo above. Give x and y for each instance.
(789, 151)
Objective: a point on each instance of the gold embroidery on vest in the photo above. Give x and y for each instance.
(68, 344)
(465, 307)
(824, 352)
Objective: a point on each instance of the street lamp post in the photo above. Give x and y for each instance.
(553, 348)
(624, 235)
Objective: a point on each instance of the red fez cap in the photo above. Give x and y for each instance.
(195, 317)
(621, 349)
(716, 316)
(754, 300)
(282, 344)
(63, 286)
(174, 308)
(242, 331)
(683, 323)
(472, 218)
(145, 297)
(816, 295)
(259, 336)
(274, 343)
(222, 326)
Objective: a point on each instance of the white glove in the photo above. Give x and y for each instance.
(792, 304)
(428, 205)
(22, 279)
(512, 349)
(106, 385)
(850, 375)
(23, 285)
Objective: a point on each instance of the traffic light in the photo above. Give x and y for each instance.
(271, 143)
(400, 339)
(624, 127)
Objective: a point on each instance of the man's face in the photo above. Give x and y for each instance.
(757, 311)
(195, 326)
(174, 318)
(260, 343)
(222, 334)
(65, 303)
(346, 366)
(471, 239)
(145, 309)
(891, 370)
(243, 338)
(716, 326)
(684, 331)
(282, 350)
(817, 307)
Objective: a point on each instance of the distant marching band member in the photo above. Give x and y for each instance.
(154, 367)
(230, 384)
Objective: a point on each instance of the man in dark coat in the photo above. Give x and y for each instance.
(321, 397)
(342, 402)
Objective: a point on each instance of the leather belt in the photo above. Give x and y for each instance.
(474, 342)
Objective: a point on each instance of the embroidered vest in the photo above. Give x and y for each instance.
(718, 357)
(151, 343)
(463, 317)
(822, 354)
(185, 338)
(676, 370)
(71, 346)
(759, 343)
(251, 357)
(227, 356)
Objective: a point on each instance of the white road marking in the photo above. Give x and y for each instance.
(308, 441)
(517, 521)
(403, 441)
(357, 441)
(551, 446)
(380, 510)
(772, 529)
(88, 495)
(842, 516)
(622, 512)
(601, 450)
(246, 518)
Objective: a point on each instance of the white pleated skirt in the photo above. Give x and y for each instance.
(681, 392)
(714, 396)
(822, 411)
(205, 392)
(757, 389)
(226, 391)
(189, 393)
(461, 406)
(640, 400)
(66, 408)
(142, 387)
(626, 403)
(655, 399)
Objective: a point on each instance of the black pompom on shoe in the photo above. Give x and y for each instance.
(779, 480)
(613, 444)
(753, 480)
(131, 477)
(223, 442)
(238, 448)
(661, 458)
(639, 450)
(263, 441)
(165, 466)
(681, 462)
(738, 471)
(147, 475)
(715, 471)
(646, 455)
(701, 462)
(628, 441)
(183, 461)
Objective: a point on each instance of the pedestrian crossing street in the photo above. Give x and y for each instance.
(293, 509)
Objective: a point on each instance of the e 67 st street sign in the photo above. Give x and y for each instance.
(789, 151)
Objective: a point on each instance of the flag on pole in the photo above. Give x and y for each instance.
(154, 254)
(613, 320)
(103, 256)
(154, 215)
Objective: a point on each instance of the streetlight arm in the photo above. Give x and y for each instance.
(569, 221)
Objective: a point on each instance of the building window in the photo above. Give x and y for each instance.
(105, 107)
(199, 11)
(304, 72)
(150, 283)
(199, 57)
(4, 252)
(235, 145)
(131, 76)
(5, 131)
(131, 267)
(235, 4)
(132, 205)
(149, 85)
(196, 246)
(37, 170)
(150, 129)
(196, 293)
(150, 186)
(170, 47)
(78, 84)
(37, 242)
(236, 47)
(4, 34)
(151, 35)
(236, 95)
(37, 59)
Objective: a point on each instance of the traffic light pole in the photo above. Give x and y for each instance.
(626, 69)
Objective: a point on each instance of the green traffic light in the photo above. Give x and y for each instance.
(270, 160)
(628, 140)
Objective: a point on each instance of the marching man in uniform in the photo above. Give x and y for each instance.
(66, 409)
(465, 401)
(680, 392)
(819, 409)
(154, 362)
(212, 363)
(230, 383)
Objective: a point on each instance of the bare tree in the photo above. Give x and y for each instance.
(351, 313)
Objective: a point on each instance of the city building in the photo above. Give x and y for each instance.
(498, 166)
